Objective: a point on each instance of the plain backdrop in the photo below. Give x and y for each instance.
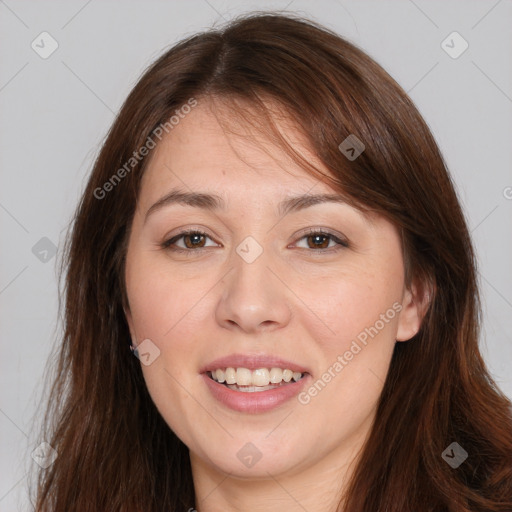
(55, 112)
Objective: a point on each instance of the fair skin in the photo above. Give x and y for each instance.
(304, 299)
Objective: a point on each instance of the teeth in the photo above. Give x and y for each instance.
(260, 378)
(276, 375)
(230, 376)
(243, 376)
(251, 389)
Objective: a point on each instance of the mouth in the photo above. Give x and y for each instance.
(254, 391)
(245, 380)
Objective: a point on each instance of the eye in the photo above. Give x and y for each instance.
(190, 240)
(322, 241)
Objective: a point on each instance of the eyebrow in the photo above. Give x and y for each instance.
(214, 202)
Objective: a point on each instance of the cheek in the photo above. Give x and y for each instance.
(359, 311)
(355, 299)
(162, 310)
(159, 299)
(168, 307)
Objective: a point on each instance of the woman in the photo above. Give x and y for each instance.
(271, 230)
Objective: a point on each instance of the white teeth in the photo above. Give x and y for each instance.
(260, 378)
(243, 376)
(230, 376)
(276, 375)
(250, 389)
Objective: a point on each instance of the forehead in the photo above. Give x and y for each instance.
(210, 148)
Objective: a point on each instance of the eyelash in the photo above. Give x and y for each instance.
(342, 244)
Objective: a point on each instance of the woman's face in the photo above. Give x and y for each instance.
(258, 291)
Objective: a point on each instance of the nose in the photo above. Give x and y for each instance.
(254, 298)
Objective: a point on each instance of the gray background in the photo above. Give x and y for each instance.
(56, 111)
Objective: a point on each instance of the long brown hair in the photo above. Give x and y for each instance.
(116, 453)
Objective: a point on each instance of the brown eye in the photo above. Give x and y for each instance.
(187, 241)
(321, 241)
(318, 241)
(194, 240)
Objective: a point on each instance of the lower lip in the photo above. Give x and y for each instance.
(259, 401)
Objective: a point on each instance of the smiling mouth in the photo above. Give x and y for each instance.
(247, 381)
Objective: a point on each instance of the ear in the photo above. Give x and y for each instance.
(415, 302)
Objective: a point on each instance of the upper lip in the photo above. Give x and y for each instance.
(253, 362)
